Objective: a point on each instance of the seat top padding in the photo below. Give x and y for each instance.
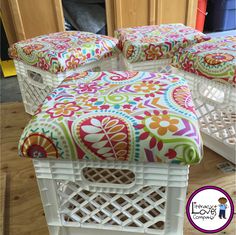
(117, 116)
(59, 52)
(214, 59)
(155, 42)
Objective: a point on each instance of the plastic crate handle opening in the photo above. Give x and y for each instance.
(108, 178)
(36, 79)
(214, 95)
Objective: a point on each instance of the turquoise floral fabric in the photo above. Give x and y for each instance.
(59, 52)
(116, 116)
(214, 59)
(156, 42)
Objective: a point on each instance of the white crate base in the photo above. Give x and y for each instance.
(35, 84)
(161, 66)
(215, 105)
(85, 197)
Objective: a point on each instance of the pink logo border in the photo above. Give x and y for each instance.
(202, 189)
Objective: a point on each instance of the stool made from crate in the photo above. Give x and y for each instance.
(111, 154)
(150, 48)
(43, 62)
(210, 69)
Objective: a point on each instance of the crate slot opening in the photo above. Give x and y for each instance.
(36, 77)
(107, 175)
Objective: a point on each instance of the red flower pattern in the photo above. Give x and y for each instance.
(153, 52)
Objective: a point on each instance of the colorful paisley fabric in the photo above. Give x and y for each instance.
(214, 59)
(58, 52)
(117, 116)
(157, 41)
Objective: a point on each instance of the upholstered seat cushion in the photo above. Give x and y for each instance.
(214, 59)
(63, 51)
(117, 116)
(156, 42)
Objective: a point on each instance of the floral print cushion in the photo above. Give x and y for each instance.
(59, 52)
(157, 41)
(214, 59)
(117, 116)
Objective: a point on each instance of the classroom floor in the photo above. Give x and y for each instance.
(10, 90)
(24, 213)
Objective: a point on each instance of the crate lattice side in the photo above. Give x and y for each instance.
(82, 195)
(160, 66)
(216, 110)
(140, 211)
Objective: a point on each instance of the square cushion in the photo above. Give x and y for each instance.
(156, 41)
(117, 116)
(59, 52)
(214, 59)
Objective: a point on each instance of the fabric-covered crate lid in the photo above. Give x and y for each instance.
(214, 59)
(156, 42)
(117, 116)
(59, 52)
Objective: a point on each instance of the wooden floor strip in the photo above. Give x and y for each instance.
(3, 180)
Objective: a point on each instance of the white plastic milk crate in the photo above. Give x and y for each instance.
(216, 110)
(161, 65)
(112, 198)
(35, 84)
